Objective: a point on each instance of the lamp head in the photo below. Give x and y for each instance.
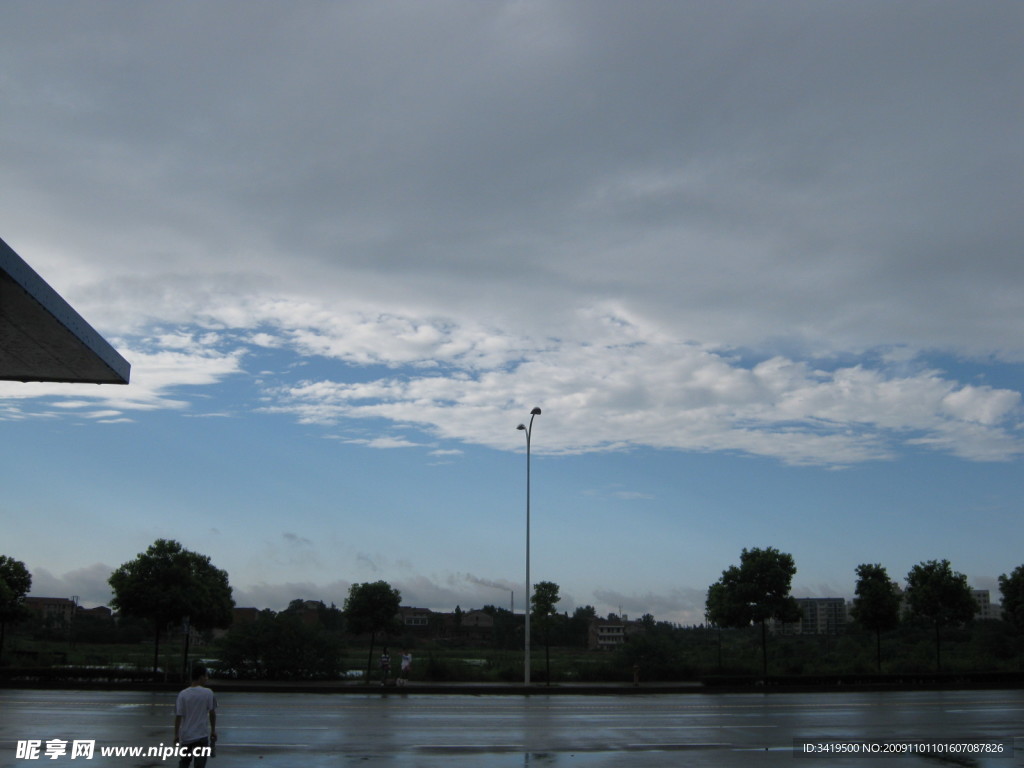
(535, 412)
(521, 426)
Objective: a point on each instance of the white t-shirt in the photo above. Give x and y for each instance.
(194, 705)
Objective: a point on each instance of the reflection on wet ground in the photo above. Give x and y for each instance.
(276, 730)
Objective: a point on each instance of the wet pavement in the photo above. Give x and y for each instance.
(410, 728)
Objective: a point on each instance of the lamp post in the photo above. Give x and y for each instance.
(526, 657)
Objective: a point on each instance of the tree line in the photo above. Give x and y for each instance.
(757, 591)
(168, 586)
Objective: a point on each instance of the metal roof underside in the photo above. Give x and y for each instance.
(43, 339)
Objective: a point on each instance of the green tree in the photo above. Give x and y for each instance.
(942, 596)
(877, 604)
(371, 608)
(15, 582)
(284, 646)
(1012, 589)
(754, 592)
(579, 625)
(168, 584)
(242, 651)
(542, 605)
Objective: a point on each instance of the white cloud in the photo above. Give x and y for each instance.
(105, 416)
(616, 379)
(156, 381)
(983, 405)
(671, 395)
(386, 442)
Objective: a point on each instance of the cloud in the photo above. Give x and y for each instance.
(599, 211)
(296, 541)
(88, 584)
(618, 492)
(681, 606)
(616, 392)
(157, 380)
(614, 381)
(276, 597)
(386, 442)
(438, 592)
(740, 173)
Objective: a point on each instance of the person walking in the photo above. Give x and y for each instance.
(406, 668)
(195, 718)
(385, 666)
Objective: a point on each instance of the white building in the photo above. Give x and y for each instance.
(820, 616)
(986, 610)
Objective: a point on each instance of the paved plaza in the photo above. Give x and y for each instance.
(314, 730)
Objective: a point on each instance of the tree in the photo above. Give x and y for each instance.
(754, 592)
(168, 584)
(15, 582)
(579, 625)
(371, 608)
(877, 604)
(504, 633)
(457, 617)
(942, 596)
(542, 603)
(244, 649)
(282, 647)
(1012, 589)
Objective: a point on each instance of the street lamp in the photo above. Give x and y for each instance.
(526, 658)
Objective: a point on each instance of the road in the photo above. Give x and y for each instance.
(274, 730)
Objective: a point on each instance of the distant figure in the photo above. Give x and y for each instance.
(403, 673)
(385, 666)
(195, 717)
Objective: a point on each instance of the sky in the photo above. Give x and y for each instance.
(759, 264)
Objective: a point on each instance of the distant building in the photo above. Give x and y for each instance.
(476, 620)
(58, 610)
(985, 608)
(473, 625)
(308, 611)
(823, 615)
(241, 616)
(608, 634)
(415, 620)
(819, 616)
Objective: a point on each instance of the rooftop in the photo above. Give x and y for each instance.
(42, 338)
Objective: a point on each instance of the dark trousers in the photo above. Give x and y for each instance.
(185, 762)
